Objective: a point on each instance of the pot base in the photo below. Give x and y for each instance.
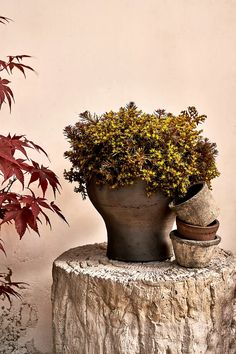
(137, 250)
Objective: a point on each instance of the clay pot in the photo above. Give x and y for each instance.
(191, 253)
(137, 226)
(198, 207)
(198, 233)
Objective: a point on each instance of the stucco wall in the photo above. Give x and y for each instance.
(99, 55)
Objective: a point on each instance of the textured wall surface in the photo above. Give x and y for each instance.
(99, 55)
(18, 327)
(103, 307)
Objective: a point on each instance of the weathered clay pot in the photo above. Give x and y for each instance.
(198, 233)
(137, 226)
(198, 207)
(191, 253)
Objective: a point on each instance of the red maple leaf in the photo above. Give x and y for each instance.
(13, 167)
(45, 177)
(58, 211)
(5, 93)
(22, 216)
(14, 61)
(18, 65)
(3, 65)
(19, 142)
(13, 143)
(25, 211)
(10, 169)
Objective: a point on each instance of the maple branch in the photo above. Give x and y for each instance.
(8, 187)
(10, 184)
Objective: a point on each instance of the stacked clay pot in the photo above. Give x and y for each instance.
(195, 239)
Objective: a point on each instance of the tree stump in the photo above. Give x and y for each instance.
(110, 307)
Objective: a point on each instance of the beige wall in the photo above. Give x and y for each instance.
(99, 55)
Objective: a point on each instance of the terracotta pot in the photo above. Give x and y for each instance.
(191, 253)
(198, 233)
(198, 207)
(137, 226)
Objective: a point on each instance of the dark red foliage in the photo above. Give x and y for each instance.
(5, 93)
(9, 288)
(13, 62)
(26, 210)
(44, 176)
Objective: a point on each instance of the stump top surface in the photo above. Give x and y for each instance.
(91, 260)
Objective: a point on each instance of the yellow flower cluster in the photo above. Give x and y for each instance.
(166, 151)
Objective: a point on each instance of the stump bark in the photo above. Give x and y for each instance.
(111, 307)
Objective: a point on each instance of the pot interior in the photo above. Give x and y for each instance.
(185, 224)
(192, 191)
(213, 223)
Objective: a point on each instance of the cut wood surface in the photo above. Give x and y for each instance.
(110, 307)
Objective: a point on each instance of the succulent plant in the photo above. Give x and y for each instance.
(168, 152)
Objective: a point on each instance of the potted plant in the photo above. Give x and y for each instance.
(131, 164)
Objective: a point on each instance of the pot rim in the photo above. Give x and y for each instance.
(215, 223)
(207, 243)
(173, 205)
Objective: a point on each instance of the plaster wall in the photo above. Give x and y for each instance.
(99, 55)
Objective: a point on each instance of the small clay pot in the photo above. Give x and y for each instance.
(198, 207)
(191, 253)
(198, 233)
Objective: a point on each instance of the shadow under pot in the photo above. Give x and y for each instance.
(197, 207)
(198, 233)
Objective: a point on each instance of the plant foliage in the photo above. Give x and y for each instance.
(13, 62)
(9, 288)
(166, 151)
(24, 209)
